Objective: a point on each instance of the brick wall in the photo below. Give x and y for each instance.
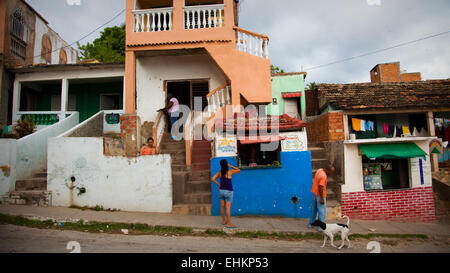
(411, 77)
(390, 72)
(410, 205)
(130, 133)
(328, 127)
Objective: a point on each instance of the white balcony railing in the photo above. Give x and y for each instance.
(219, 98)
(252, 43)
(152, 20)
(207, 16)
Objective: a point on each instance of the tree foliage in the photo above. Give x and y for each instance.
(109, 48)
(275, 69)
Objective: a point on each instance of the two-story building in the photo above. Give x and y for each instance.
(26, 40)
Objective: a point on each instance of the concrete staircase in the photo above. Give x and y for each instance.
(192, 187)
(31, 191)
(319, 160)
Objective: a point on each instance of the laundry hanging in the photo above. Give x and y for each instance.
(356, 124)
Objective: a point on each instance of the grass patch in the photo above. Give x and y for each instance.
(96, 208)
(144, 229)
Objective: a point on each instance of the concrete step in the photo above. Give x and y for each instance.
(333, 210)
(198, 198)
(319, 163)
(178, 167)
(38, 183)
(197, 186)
(192, 209)
(36, 198)
(204, 166)
(198, 157)
(199, 175)
(317, 152)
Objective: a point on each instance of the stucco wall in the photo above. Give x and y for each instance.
(287, 84)
(270, 191)
(57, 44)
(8, 152)
(129, 184)
(151, 72)
(32, 149)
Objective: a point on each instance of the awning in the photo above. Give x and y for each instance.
(261, 139)
(392, 150)
(291, 95)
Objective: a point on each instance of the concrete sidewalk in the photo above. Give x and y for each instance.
(266, 224)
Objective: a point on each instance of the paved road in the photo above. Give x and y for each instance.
(21, 239)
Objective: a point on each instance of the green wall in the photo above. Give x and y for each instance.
(287, 84)
(87, 97)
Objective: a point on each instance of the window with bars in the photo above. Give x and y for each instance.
(18, 26)
(18, 48)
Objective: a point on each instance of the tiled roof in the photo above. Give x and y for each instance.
(286, 123)
(411, 95)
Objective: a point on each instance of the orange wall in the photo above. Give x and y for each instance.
(411, 77)
(249, 75)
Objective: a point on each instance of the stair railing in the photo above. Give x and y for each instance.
(219, 98)
(252, 43)
(158, 130)
(189, 137)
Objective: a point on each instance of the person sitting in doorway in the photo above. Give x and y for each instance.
(149, 148)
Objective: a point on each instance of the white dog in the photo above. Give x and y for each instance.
(329, 230)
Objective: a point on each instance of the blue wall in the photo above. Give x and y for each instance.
(269, 191)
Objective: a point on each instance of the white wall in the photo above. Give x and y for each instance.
(8, 151)
(129, 184)
(57, 43)
(354, 170)
(32, 149)
(151, 72)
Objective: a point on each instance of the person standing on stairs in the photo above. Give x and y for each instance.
(172, 109)
(225, 190)
(319, 197)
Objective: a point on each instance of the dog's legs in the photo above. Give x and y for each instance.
(324, 240)
(332, 237)
(344, 236)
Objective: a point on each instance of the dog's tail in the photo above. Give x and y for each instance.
(348, 219)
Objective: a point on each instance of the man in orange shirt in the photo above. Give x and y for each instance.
(319, 197)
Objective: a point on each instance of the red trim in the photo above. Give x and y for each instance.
(291, 95)
(261, 139)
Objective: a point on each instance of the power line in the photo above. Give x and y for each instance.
(85, 36)
(377, 51)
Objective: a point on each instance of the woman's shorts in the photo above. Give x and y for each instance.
(226, 195)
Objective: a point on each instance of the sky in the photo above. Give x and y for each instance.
(308, 35)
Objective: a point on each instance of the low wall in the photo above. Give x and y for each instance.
(8, 152)
(32, 149)
(411, 205)
(284, 191)
(92, 127)
(129, 184)
(327, 127)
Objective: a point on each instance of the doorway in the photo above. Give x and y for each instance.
(292, 108)
(186, 91)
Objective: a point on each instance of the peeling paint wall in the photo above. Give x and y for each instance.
(8, 151)
(129, 184)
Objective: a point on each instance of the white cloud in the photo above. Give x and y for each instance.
(374, 2)
(73, 2)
